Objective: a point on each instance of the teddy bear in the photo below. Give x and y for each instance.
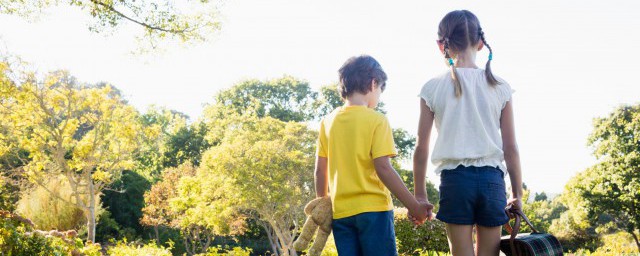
(319, 216)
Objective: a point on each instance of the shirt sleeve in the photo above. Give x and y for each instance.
(427, 93)
(321, 144)
(505, 92)
(382, 144)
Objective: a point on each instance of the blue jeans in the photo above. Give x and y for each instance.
(368, 233)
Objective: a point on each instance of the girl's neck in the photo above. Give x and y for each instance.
(466, 59)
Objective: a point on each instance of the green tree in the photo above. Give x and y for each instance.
(159, 125)
(84, 134)
(157, 20)
(268, 165)
(206, 208)
(612, 186)
(125, 202)
(286, 99)
(573, 228)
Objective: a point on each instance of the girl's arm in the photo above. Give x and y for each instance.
(419, 210)
(321, 177)
(511, 154)
(421, 153)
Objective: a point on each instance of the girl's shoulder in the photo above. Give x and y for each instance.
(443, 78)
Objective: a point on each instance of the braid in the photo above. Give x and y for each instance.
(490, 78)
(454, 73)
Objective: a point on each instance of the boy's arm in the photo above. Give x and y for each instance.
(511, 154)
(321, 177)
(392, 181)
(421, 153)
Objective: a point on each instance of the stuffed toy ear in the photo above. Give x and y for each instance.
(311, 205)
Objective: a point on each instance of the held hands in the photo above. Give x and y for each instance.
(423, 212)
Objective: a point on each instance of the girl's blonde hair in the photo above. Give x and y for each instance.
(457, 31)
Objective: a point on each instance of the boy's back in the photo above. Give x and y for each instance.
(350, 138)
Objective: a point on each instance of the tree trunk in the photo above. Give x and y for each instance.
(92, 212)
(155, 229)
(635, 237)
(272, 240)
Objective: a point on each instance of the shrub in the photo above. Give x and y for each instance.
(226, 251)
(47, 211)
(122, 248)
(18, 238)
(430, 237)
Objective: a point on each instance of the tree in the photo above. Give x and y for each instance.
(158, 126)
(125, 202)
(84, 134)
(206, 208)
(157, 20)
(157, 211)
(286, 99)
(612, 186)
(267, 164)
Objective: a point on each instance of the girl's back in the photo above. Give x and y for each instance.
(468, 126)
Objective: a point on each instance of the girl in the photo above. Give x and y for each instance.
(473, 113)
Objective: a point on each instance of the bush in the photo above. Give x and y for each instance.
(47, 211)
(226, 251)
(426, 238)
(18, 238)
(135, 249)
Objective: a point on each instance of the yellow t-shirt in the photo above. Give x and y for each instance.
(350, 138)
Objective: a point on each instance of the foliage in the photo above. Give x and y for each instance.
(159, 125)
(573, 228)
(122, 248)
(286, 99)
(541, 212)
(431, 236)
(225, 251)
(612, 186)
(157, 21)
(86, 134)
(407, 177)
(9, 193)
(186, 145)
(125, 203)
(266, 165)
(17, 238)
(43, 206)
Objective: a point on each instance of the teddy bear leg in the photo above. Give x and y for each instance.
(319, 242)
(302, 242)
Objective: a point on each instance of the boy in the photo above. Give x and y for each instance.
(354, 146)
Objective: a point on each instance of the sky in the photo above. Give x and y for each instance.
(568, 61)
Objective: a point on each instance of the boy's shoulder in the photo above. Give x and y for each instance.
(362, 114)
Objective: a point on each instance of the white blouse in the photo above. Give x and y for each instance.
(468, 127)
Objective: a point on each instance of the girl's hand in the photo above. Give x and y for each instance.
(514, 203)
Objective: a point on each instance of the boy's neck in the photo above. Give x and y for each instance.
(357, 99)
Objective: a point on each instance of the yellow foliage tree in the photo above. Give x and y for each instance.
(86, 134)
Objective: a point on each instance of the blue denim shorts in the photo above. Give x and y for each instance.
(473, 195)
(365, 234)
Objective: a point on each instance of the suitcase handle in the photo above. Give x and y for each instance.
(516, 226)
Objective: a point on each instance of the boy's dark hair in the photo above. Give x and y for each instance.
(457, 31)
(356, 75)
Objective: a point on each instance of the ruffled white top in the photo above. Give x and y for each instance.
(468, 127)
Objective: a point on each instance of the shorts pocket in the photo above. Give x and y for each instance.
(496, 191)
